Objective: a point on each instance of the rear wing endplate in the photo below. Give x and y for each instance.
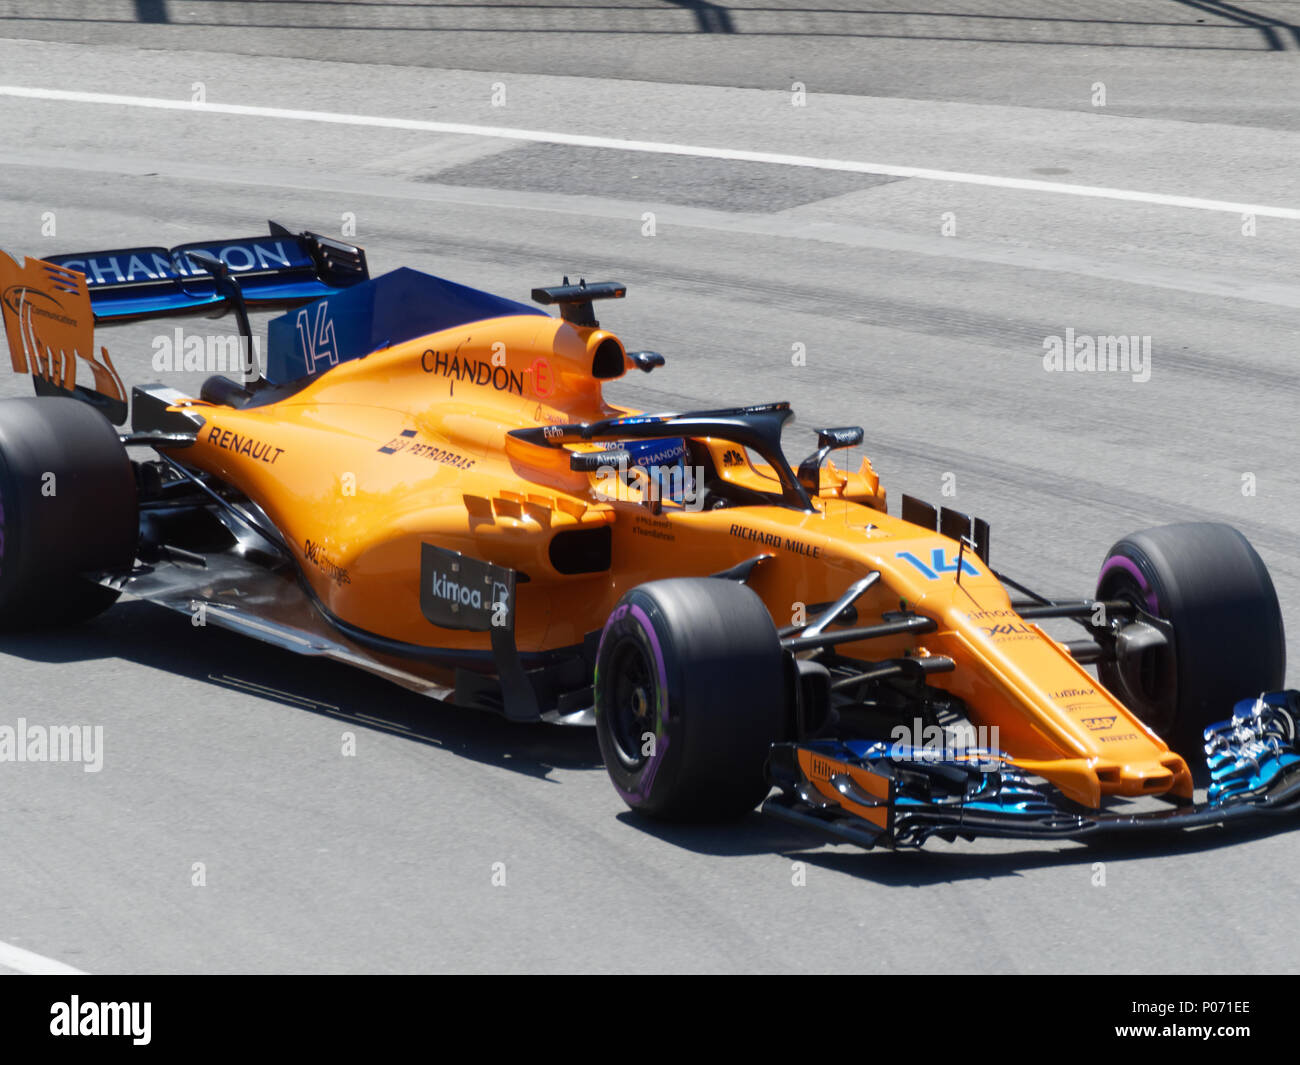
(50, 307)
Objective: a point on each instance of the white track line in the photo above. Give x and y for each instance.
(24, 961)
(656, 147)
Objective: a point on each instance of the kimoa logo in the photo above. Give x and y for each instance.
(460, 595)
(445, 587)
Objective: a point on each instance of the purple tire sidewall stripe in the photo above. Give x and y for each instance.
(647, 780)
(1130, 567)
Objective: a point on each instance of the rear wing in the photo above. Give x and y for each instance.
(50, 307)
(281, 269)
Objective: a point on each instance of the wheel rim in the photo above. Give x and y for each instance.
(1149, 687)
(633, 699)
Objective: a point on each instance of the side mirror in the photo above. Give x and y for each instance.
(593, 461)
(645, 361)
(828, 440)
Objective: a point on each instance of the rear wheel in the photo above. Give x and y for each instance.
(690, 696)
(1215, 594)
(67, 509)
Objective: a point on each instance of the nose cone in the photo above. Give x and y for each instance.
(1167, 774)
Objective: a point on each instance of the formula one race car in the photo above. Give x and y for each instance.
(426, 481)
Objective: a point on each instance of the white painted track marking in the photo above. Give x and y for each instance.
(24, 961)
(656, 147)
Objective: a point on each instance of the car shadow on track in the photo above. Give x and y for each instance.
(942, 863)
(939, 862)
(752, 834)
(151, 636)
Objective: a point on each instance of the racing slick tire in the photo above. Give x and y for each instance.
(690, 696)
(68, 507)
(1213, 590)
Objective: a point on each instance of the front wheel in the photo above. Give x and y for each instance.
(690, 696)
(1214, 592)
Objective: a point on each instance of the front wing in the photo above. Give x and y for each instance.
(878, 794)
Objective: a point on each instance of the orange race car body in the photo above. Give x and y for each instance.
(430, 482)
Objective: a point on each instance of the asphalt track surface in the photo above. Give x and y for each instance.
(221, 752)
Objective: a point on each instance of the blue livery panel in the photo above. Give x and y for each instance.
(374, 315)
